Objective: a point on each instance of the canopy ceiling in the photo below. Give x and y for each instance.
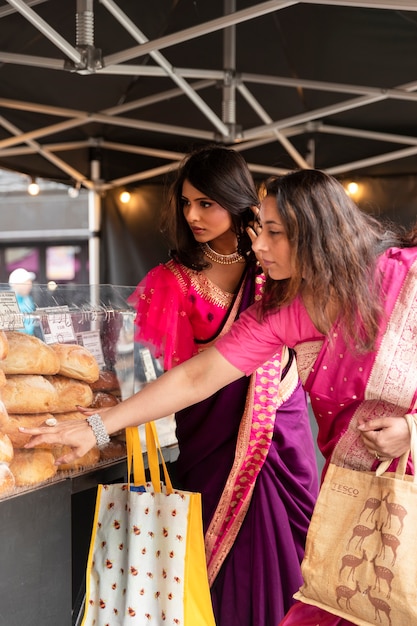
(132, 85)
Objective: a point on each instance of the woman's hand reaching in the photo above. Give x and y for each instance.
(77, 434)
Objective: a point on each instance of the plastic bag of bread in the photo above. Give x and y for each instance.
(28, 355)
(76, 362)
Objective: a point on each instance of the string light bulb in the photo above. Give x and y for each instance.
(33, 187)
(352, 188)
(124, 197)
(74, 191)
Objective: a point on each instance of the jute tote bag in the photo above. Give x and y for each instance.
(147, 563)
(361, 552)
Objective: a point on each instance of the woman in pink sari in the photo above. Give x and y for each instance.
(183, 307)
(342, 292)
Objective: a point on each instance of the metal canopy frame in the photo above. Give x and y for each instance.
(192, 83)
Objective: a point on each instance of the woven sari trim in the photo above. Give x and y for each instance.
(265, 395)
(392, 377)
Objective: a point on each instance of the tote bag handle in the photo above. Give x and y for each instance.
(155, 458)
(402, 464)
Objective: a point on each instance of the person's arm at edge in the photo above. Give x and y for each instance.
(184, 385)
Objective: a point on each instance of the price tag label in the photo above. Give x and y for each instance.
(147, 364)
(10, 315)
(91, 341)
(57, 325)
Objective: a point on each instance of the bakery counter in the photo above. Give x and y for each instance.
(45, 536)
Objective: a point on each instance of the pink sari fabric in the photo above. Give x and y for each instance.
(167, 320)
(345, 389)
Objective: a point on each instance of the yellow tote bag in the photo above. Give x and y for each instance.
(146, 563)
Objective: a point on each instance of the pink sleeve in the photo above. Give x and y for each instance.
(251, 342)
(162, 323)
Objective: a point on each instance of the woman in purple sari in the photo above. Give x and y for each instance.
(183, 307)
(342, 292)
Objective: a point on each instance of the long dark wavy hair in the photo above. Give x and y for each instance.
(222, 175)
(335, 247)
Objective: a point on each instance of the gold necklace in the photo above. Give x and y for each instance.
(223, 259)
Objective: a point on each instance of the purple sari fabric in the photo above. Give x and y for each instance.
(261, 572)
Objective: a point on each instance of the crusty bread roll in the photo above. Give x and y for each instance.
(114, 450)
(4, 345)
(76, 362)
(71, 392)
(69, 415)
(4, 416)
(29, 393)
(7, 481)
(28, 355)
(32, 466)
(2, 379)
(19, 439)
(89, 459)
(6, 449)
(107, 381)
(102, 399)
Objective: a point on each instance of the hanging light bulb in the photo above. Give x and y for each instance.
(124, 197)
(33, 187)
(352, 188)
(74, 191)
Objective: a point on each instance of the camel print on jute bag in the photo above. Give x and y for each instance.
(361, 553)
(147, 563)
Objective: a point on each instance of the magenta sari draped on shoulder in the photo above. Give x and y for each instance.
(344, 388)
(248, 449)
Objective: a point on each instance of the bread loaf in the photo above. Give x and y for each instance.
(2, 379)
(76, 362)
(19, 439)
(7, 481)
(70, 392)
(89, 459)
(114, 450)
(32, 466)
(28, 355)
(102, 399)
(6, 449)
(4, 345)
(107, 381)
(4, 416)
(29, 393)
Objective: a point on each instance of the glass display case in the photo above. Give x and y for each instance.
(46, 525)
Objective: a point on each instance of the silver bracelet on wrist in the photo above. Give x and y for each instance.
(99, 430)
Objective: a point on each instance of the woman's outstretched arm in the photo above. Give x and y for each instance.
(186, 384)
